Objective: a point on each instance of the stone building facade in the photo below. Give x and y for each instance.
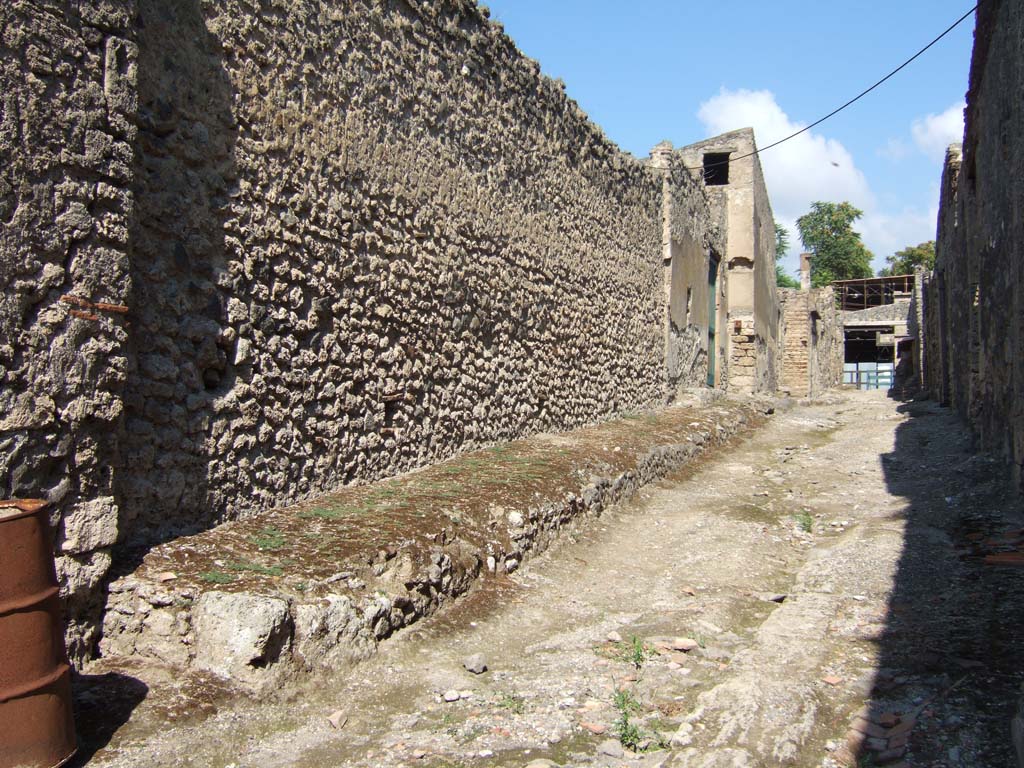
(974, 300)
(731, 172)
(256, 251)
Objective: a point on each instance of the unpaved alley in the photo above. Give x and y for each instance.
(841, 587)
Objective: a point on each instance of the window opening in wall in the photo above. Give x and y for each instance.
(716, 169)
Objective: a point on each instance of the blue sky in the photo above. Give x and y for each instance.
(682, 71)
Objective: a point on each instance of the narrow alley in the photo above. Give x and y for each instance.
(841, 587)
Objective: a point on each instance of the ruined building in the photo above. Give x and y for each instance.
(732, 174)
(974, 358)
(251, 252)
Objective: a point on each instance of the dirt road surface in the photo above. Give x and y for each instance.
(844, 587)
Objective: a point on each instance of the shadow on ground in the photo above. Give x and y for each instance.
(951, 651)
(103, 703)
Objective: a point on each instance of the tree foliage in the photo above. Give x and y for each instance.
(904, 262)
(781, 241)
(782, 278)
(838, 253)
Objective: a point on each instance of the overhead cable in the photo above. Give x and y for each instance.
(837, 110)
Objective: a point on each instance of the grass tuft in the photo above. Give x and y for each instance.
(804, 521)
(269, 539)
(216, 577)
(513, 703)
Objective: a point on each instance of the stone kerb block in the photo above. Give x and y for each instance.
(238, 635)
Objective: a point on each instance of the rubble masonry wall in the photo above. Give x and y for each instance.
(351, 240)
(974, 299)
(67, 132)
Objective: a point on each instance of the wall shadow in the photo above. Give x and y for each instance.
(950, 652)
(103, 703)
(180, 346)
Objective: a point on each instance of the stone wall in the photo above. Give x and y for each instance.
(753, 307)
(304, 245)
(939, 341)
(692, 244)
(795, 349)
(827, 341)
(899, 311)
(810, 342)
(974, 300)
(67, 132)
(767, 312)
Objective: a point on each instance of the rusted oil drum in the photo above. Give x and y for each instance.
(37, 727)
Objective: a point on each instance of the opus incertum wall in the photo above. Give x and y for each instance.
(974, 356)
(253, 251)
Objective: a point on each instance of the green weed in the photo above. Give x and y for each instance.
(635, 652)
(626, 731)
(804, 521)
(514, 704)
(625, 702)
(268, 539)
(323, 513)
(630, 735)
(216, 577)
(337, 511)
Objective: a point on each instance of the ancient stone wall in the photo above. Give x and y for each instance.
(827, 341)
(695, 280)
(370, 236)
(66, 156)
(303, 245)
(899, 311)
(796, 340)
(975, 297)
(767, 313)
(810, 342)
(753, 307)
(939, 341)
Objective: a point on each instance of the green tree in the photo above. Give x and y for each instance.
(904, 262)
(782, 279)
(827, 232)
(781, 241)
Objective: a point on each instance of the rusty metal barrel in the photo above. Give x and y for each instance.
(37, 726)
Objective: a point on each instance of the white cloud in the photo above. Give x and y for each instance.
(812, 167)
(894, 149)
(806, 168)
(886, 233)
(933, 133)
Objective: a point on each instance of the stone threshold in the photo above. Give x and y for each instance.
(317, 585)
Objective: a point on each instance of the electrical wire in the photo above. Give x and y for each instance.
(837, 110)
